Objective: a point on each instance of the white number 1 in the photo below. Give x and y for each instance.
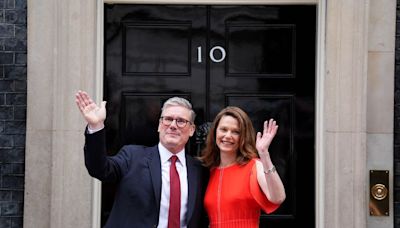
(199, 54)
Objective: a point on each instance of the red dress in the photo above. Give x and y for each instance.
(233, 198)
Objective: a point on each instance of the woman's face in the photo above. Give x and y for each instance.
(228, 135)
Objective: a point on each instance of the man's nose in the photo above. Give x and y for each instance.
(174, 125)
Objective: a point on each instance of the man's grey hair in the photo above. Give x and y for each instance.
(179, 101)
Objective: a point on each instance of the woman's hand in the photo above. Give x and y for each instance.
(264, 139)
(267, 176)
(93, 114)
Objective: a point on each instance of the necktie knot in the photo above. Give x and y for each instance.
(174, 158)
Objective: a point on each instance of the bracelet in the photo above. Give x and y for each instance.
(271, 170)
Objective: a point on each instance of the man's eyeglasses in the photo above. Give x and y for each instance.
(167, 120)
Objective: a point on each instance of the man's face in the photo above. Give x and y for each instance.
(174, 138)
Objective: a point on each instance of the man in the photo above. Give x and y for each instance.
(158, 186)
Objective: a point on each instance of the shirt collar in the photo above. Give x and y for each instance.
(165, 155)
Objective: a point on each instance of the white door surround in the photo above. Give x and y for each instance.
(65, 54)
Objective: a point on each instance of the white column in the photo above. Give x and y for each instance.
(380, 98)
(61, 60)
(345, 113)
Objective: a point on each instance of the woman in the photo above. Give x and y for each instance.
(240, 183)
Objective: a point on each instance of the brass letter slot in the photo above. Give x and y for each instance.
(379, 192)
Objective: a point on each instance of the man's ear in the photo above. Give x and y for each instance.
(192, 129)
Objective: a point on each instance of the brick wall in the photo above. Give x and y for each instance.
(397, 124)
(13, 49)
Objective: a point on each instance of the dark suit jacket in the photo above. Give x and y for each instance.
(137, 170)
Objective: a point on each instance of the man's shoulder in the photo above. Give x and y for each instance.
(138, 147)
(139, 150)
(194, 161)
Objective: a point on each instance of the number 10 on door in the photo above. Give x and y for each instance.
(218, 59)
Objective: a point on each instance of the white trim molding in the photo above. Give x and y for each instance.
(319, 114)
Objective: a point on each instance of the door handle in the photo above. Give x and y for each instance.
(201, 135)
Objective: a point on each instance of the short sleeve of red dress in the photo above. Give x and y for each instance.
(258, 194)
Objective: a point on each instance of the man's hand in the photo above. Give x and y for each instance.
(93, 114)
(264, 140)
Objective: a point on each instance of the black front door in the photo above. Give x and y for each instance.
(260, 58)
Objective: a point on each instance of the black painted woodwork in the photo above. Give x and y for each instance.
(151, 54)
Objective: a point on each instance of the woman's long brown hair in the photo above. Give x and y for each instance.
(247, 145)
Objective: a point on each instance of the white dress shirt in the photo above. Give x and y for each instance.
(165, 156)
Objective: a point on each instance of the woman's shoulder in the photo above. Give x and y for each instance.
(253, 161)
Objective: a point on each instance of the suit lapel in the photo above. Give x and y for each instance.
(192, 173)
(154, 164)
